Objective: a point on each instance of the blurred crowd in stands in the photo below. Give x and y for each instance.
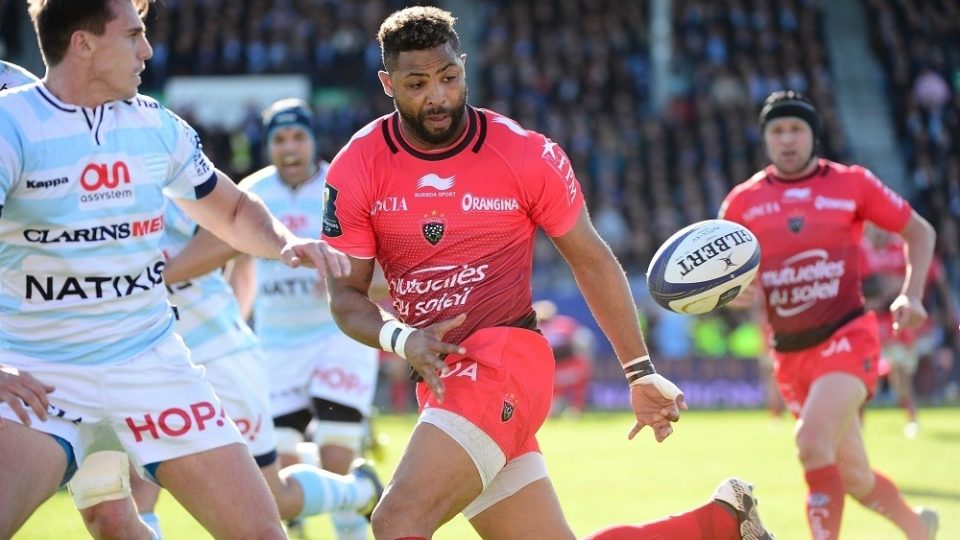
(918, 43)
(581, 71)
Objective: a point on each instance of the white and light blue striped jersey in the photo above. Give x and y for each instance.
(81, 218)
(209, 319)
(12, 76)
(291, 307)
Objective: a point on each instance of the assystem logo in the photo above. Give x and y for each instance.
(106, 185)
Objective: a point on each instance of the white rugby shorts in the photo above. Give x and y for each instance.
(335, 368)
(238, 379)
(345, 372)
(158, 404)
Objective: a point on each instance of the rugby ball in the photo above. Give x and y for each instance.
(703, 266)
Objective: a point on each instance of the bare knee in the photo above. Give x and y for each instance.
(268, 532)
(114, 519)
(814, 448)
(858, 480)
(396, 516)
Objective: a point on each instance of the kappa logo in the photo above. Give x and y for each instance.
(44, 184)
(433, 226)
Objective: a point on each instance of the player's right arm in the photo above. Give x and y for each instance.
(363, 320)
(656, 401)
(203, 254)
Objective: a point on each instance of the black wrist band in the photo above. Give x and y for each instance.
(639, 370)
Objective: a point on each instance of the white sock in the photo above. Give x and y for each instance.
(349, 525)
(324, 491)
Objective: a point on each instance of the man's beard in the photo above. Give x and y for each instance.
(417, 122)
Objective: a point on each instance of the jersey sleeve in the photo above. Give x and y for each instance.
(556, 198)
(881, 205)
(346, 216)
(730, 208)
(191, 174)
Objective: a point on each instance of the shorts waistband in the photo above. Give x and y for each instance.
(797, 341)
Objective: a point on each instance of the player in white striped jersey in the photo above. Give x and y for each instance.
(219, 339)
(317, 373)
(12, 75)
(86, 333)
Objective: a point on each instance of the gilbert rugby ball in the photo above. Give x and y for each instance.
(703, 266)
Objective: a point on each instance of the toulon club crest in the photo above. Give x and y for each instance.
(433, 227)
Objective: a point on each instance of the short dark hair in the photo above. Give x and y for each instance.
(55, 21)
(413, 29)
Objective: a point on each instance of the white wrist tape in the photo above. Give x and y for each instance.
(663, 385)
(393, 337)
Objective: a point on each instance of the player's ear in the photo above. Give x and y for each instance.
(387, 83)
(82, 43)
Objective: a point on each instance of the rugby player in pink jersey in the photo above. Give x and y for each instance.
(809, 215)
(447, 198)
(883, 267)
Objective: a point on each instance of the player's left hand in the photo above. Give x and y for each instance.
(315, 254)
(907, 312)
(657, 403)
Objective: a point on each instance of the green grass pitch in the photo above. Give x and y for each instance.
(603, 479)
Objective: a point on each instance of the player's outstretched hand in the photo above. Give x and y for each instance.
(907, 312)
(18, 388)
(316, 254)
(425, 347)
(657, 403)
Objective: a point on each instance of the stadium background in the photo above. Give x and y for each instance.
(655, 102)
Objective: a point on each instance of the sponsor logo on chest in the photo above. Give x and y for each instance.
(96, 233)
(389, 204)
(39, 289)
(107, 184)
(803, 280)
(760, 210)
(432, 185)
(476, 203)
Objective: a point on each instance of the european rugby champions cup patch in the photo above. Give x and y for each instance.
(509, 407)
(433, 226)
(331, 225)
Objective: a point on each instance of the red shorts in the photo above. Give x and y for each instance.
(854, 348)
(503, 385)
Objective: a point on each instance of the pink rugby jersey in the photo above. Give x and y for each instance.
(453, 228)
(809, 231)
